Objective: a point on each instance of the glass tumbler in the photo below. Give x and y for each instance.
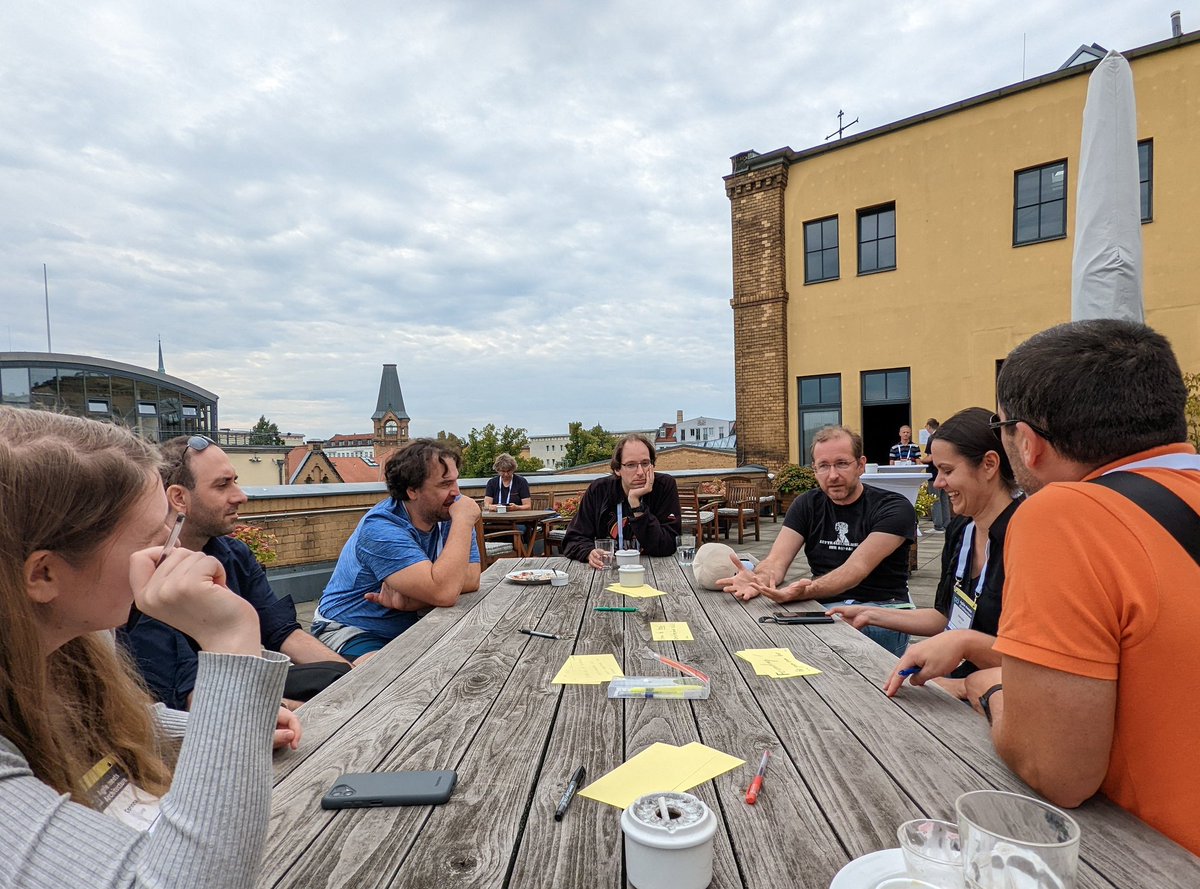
(1010, 840)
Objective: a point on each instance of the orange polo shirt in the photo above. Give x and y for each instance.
(1095, 587)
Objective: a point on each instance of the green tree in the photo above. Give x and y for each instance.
(451, 440)
(484, 445)
(1192, 410)
(587, 445)
(265, 432)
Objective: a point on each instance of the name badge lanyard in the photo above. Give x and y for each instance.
(620, 526)
(499, 494)
(962, 606)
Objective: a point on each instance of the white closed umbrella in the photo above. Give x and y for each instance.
(1106, 268)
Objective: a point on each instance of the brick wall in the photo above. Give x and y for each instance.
(312, 529)
(760, 314)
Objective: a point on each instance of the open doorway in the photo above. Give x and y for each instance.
(886, 406)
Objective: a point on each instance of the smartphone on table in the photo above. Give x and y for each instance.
(364, 790)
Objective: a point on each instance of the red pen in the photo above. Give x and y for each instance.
(756, 784)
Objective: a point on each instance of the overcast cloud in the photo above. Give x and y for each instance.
(520, 204)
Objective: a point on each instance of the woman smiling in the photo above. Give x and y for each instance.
(975, 473)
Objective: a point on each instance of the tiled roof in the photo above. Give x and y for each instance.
(356, 469)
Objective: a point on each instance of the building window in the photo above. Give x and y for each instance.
(885, 386)
(1146, 178)
(97, 405)
(820, 406)
(1040, 205)
(877, 239)
(391, 427)
(147, 409)
(821, 250)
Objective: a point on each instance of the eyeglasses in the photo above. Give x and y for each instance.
(199, 442)
(996, 424)
(842, 466)
(634, 467)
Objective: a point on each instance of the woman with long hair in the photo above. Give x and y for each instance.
(974, 471)
(84, 757)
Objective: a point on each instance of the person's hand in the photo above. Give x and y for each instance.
(390, 597)
(287, 730)
(955, 687)
(464, 509)
(937, 656)
(857, 616)
(979, 682)
(187, 592)
(644, 489)
(793, 592)
(600, 558)
(744, 584)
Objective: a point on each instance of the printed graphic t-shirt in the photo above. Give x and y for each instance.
(832, 533)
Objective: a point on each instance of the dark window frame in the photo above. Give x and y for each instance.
(1146, 208)
(876, 211)
(822, 251)
(884, 372)
(1016, 208)
(821, 405)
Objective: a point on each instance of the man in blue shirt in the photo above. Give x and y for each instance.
(201, 483)
(410, 552)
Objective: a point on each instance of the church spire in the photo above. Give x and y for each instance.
(161, 369)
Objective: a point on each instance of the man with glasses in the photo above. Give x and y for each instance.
(855, 537)
(201, 484)
(1102, 587)
(643, 504)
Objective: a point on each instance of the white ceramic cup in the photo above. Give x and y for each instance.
(628, 557)
(632, 575)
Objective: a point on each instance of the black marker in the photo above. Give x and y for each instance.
(539, 634)
(569, 794)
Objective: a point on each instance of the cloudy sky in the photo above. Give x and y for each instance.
(518, 203)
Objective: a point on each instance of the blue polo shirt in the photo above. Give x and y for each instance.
(385, 541)
(166, 657)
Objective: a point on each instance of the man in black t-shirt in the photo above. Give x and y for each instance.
(856, 539)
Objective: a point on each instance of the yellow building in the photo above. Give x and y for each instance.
(880, 279)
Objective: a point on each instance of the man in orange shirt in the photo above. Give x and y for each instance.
(1101, 601)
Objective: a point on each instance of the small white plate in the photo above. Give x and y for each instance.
(870, 870)
(531, 575)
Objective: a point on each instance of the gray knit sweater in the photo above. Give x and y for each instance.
(213, 820)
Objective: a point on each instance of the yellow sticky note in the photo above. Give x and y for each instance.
(637, 592)
(588, 669)
(778, 663)
(671, 631)
(660, 767)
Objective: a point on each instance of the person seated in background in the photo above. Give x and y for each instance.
(905, 452)
(1101, 605)
(201, 484)
(975, 473)
(506, 488)
(413, 551)
(644, 505)
(81, 542)
(856, 539)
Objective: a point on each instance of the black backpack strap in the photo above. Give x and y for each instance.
(1161, 503)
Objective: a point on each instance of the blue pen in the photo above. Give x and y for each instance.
(911, 671)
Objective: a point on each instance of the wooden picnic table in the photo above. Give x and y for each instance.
(512, 517)
(464, 690)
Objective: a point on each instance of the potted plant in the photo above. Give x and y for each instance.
(261, 542)
(791, 481)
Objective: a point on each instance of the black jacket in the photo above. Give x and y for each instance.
(655, 529)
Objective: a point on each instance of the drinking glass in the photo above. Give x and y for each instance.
(607, 547)
(1009, 840)
(932, 852)
(685, 549)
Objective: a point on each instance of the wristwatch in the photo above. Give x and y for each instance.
(985, 701)
(640, 509)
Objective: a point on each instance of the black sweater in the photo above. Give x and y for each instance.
(655, 529)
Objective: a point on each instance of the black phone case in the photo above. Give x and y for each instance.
(790, 618)
(374, 789)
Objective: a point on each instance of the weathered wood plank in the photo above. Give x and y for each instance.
(426, 720)
(732, 720)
